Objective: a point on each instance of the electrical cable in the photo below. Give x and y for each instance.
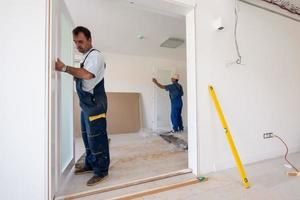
(286, 153)
(290, 7)
(239, 59)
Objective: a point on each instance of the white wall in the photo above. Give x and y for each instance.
(22, 101)
(127, 73)
(260, 96)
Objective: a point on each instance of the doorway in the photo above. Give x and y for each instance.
(164, 75)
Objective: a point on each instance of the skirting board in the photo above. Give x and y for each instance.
(124, 185)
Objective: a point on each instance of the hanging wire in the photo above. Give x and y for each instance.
(239, 59)
(283, 4)
(286, 153)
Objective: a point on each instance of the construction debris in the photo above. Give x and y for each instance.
(180, 143)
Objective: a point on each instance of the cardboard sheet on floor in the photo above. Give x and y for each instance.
(123, 115)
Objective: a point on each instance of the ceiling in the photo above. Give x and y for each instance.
(116, 25)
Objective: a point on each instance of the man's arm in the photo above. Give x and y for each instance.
(158, 84)
(80, 73)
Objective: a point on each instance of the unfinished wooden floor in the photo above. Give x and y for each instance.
(133, 156)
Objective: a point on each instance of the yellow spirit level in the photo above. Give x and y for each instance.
(229, 137)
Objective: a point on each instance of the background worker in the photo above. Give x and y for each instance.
(175, 92)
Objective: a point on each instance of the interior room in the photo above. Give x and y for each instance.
(239, 67)
(138, 44)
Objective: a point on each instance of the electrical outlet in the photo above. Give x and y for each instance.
(268, 135)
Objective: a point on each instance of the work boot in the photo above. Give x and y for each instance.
(173, 132)
(82, 170)
(167, 133)
(80, 162)
(95, 180)
(79, 165)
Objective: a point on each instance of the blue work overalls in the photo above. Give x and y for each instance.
(93, 126)
(176, 118)
(176, 92)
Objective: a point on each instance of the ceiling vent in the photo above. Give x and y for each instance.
(172, 43)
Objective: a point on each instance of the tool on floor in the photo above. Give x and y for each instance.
(293, 173)
(229, 137)
(272, 135)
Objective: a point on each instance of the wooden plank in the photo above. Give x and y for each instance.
(124, 185)
(159, 189)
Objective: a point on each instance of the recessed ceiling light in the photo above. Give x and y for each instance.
(172, 43)
(140, 36)
(131, 2)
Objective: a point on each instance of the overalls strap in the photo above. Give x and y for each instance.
(82, 64)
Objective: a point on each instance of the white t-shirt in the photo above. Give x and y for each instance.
(94, 64)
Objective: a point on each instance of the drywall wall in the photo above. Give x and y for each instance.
(128, 73)
(23, 142)
(259, 96)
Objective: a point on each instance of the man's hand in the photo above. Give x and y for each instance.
(158, 84)
(59, 65)
(79, 73)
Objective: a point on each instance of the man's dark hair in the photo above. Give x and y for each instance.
(81, 29)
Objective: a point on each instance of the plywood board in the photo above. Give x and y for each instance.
(123, 115)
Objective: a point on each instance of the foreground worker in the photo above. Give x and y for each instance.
(93, 102)
(175, 93)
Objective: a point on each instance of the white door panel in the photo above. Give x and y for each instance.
(162, 102)
(61, 100)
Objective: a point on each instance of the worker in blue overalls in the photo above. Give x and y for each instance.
(175, 93)
(93, 102)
